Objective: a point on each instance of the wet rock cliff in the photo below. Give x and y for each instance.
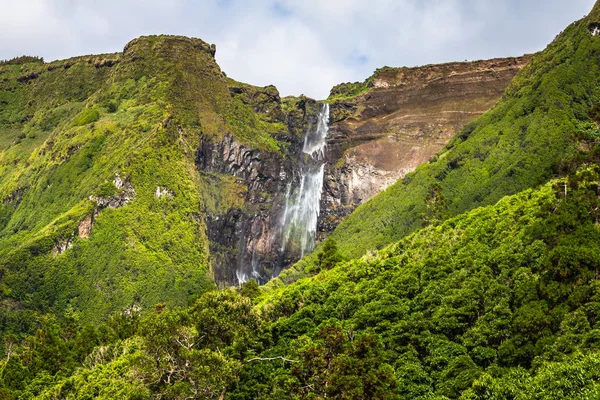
(246, 230)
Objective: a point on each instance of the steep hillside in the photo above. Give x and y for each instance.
(125, 176)
(500, 302)
(188, 168)
(538, 130)
(504, 286)
(103, 206)
(399, 119)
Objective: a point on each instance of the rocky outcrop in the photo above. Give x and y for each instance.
(163, 192)
(155, 43)
(245, 233)
(401, 119)
(258, 170)
(61, 246)
(84, 229)
(244, 238)
(125, 194)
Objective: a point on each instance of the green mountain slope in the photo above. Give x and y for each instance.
(101, 202)
(527, 138)
(496, 297)
(499, 302)
(499, 287)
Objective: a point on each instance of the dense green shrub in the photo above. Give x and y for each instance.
(87, 116)
(500, 301)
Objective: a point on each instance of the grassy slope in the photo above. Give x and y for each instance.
(64, 135)
(499, 302)
(522, 142)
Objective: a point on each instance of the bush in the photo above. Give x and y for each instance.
(112, 106)
(107, 189)
(22, 60)
(85, 117)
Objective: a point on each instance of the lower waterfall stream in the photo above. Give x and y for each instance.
(297, 224)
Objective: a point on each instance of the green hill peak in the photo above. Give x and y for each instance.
(594, 15)
(169, 44)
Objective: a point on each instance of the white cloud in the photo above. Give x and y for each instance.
(301, 46)
(27, 26)
(288, 54)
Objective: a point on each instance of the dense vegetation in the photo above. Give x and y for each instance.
(500, 302)
(22, 60)
(86, 144)
(348, 90)
(526, 139)
(471, 294)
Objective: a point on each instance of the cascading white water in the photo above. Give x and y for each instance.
(242, 276)
(302, 210)
(314, 144)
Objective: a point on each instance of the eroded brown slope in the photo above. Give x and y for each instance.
(405, 117)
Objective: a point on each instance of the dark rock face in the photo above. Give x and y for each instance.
(257, 170)
(125, 194)
(246, 239)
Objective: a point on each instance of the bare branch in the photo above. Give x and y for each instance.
(271, 359)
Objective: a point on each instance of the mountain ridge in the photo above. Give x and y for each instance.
(473, 277)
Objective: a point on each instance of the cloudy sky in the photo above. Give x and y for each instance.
(301, 46)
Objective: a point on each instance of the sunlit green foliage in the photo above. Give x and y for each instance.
(503, 299)
(500, 301)
(88, 141)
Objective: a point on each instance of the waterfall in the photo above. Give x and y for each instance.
(314, 144)
(302, 208)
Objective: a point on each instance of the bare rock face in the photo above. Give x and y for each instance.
(61, 246)
(125, 194)
(405, 117)
(84, 230)
(85, 227)
(240, 237)
(163, 192)
(245, 231)
(245, 239)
